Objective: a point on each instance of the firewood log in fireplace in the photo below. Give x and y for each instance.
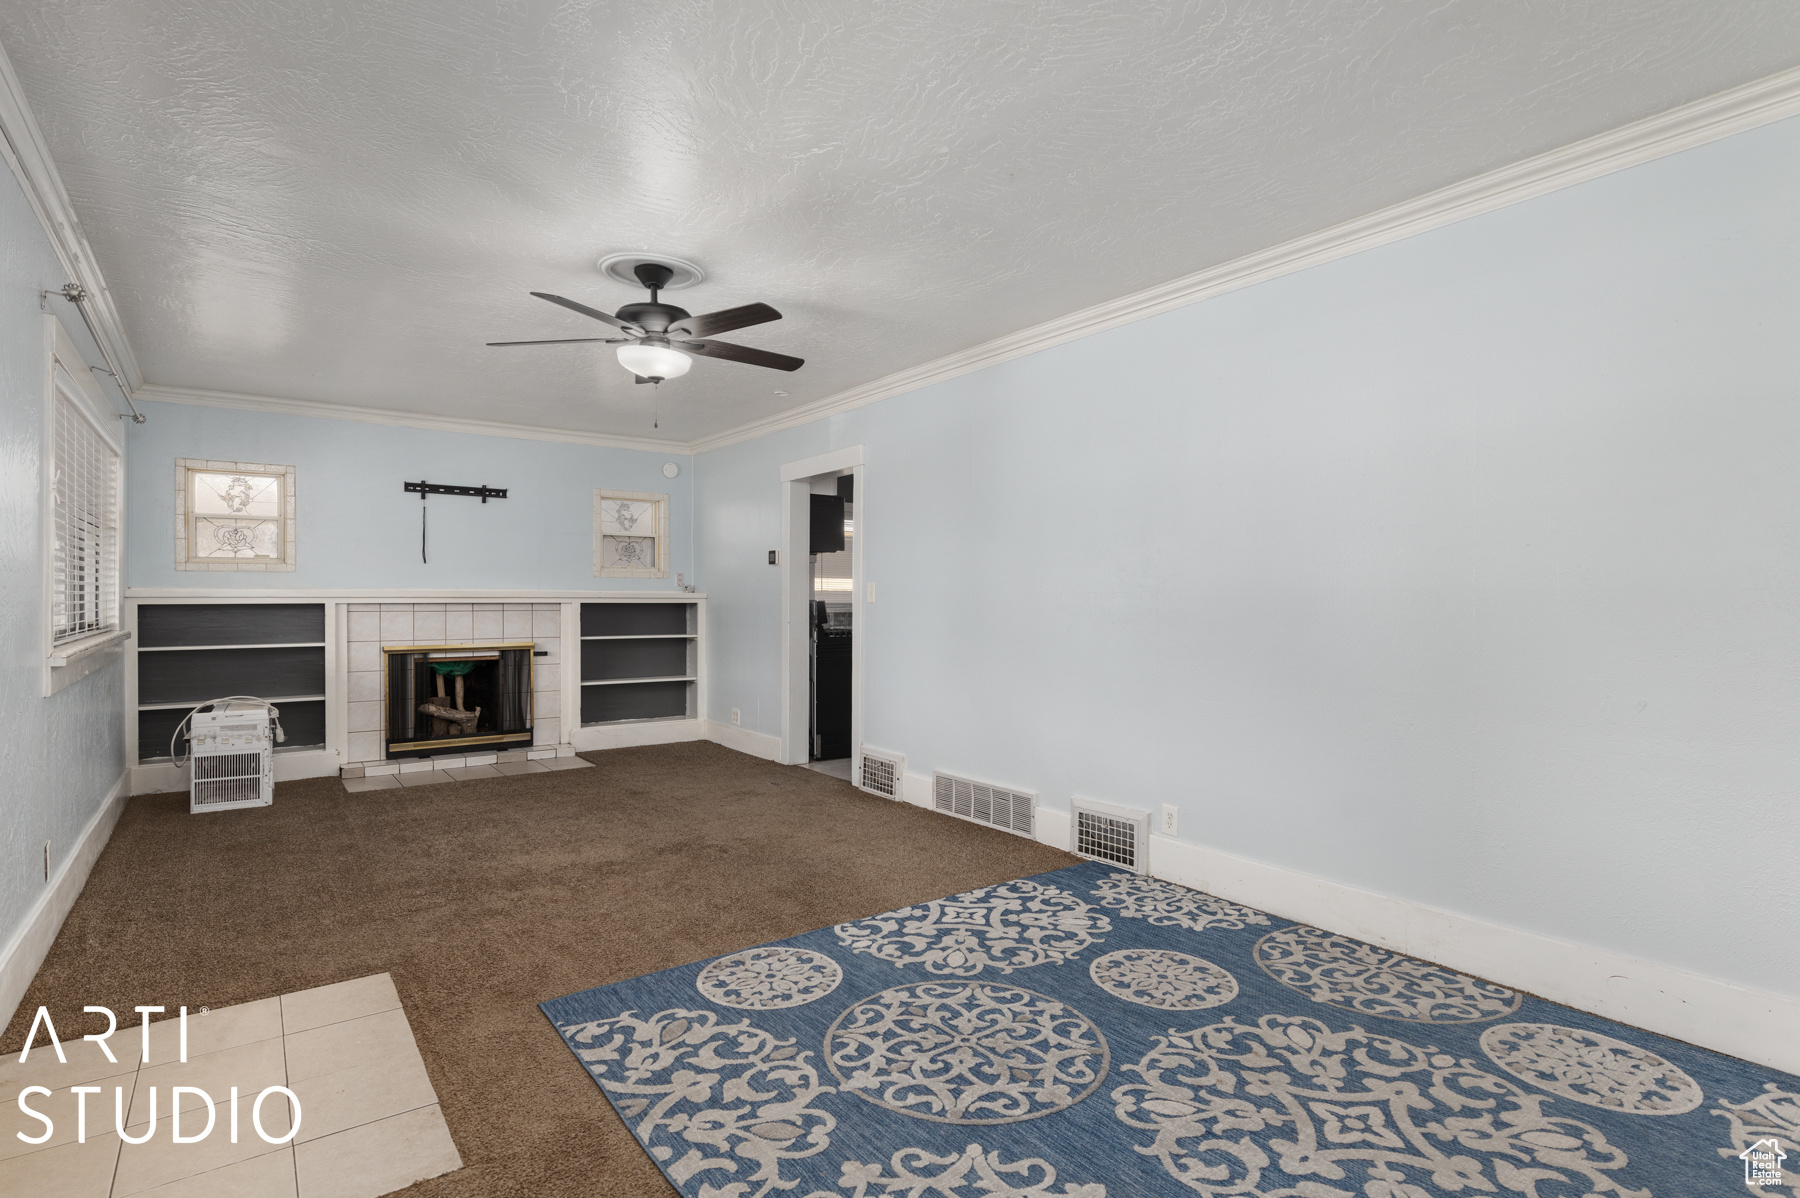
(443, 716)
(465, 720)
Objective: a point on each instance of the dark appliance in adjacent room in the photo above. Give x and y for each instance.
(830, 621)
(830, 683)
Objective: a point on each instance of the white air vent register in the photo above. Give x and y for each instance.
(881, 773)
(1110, 833)
(1013, 810)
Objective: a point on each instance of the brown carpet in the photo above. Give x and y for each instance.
(484, 899)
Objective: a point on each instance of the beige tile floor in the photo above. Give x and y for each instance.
(465, 773)
(369, 1119)
(838, 767)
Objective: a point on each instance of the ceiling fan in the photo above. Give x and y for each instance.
(659, 337)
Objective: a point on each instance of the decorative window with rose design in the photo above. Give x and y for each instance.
(631, 535)
(233, 515)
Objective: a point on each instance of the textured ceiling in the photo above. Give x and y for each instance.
(341, 201)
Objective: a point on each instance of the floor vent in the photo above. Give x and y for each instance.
(881, 773)
(1013, 810)
(1116, 835)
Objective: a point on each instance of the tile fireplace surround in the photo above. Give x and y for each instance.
(374, 626)
(331, 687)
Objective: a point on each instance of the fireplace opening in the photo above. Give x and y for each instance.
(447, 698)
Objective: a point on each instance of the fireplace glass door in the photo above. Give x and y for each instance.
(447, 698)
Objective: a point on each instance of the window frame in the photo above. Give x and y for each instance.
(67, 378)
(185, 469)
(659, 533)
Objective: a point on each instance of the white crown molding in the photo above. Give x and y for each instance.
(1694, 124)
(29, 157)
(825, 463)
(1721, 115)
(449, 424)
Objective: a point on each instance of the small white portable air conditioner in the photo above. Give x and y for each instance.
(232, 757)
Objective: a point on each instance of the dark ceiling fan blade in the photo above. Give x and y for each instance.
(640, 378)
(563, 341)
(596, 313)
(740, 353)
(724, 321)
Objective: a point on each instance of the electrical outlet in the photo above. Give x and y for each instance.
(46, 861)
(871, 593)
(1168, 819)
(737, 717)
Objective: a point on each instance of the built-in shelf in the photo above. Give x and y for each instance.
(189, 648)
(647, 636)
(189, 653)
(639, 662)
(278, 700)
(165, 759)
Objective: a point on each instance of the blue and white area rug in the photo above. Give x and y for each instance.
(1090, 1033)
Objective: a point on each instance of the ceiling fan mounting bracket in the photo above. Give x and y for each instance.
(623, 268)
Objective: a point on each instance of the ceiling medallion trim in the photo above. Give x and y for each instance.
(1717, 116)
(619, 267)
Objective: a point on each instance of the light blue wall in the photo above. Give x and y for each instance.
(1462, 570)
(356, 529)
(60, 755)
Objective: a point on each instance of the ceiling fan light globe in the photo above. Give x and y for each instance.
(654, 361)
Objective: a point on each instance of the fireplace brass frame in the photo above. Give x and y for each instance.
(451, 742)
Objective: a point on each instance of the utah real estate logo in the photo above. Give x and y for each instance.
(1762, 1163)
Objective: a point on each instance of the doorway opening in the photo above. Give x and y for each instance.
(824, 521)
(831, 621)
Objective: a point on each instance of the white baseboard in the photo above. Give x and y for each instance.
(1053, 828)
(25, 952)
(757, 744)
(1752, 1024)
(916, 789)
(623, 736)
(164, 778)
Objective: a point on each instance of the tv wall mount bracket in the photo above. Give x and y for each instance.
(424, 489)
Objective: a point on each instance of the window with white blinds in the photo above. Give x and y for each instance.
(84, 566)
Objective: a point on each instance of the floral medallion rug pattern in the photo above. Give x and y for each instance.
(1091, 1033)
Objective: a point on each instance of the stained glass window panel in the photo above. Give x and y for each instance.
(623, 517)
(256, 495)
(629, 553)
(216, 538)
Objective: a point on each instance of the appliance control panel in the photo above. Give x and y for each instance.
(245, 728)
